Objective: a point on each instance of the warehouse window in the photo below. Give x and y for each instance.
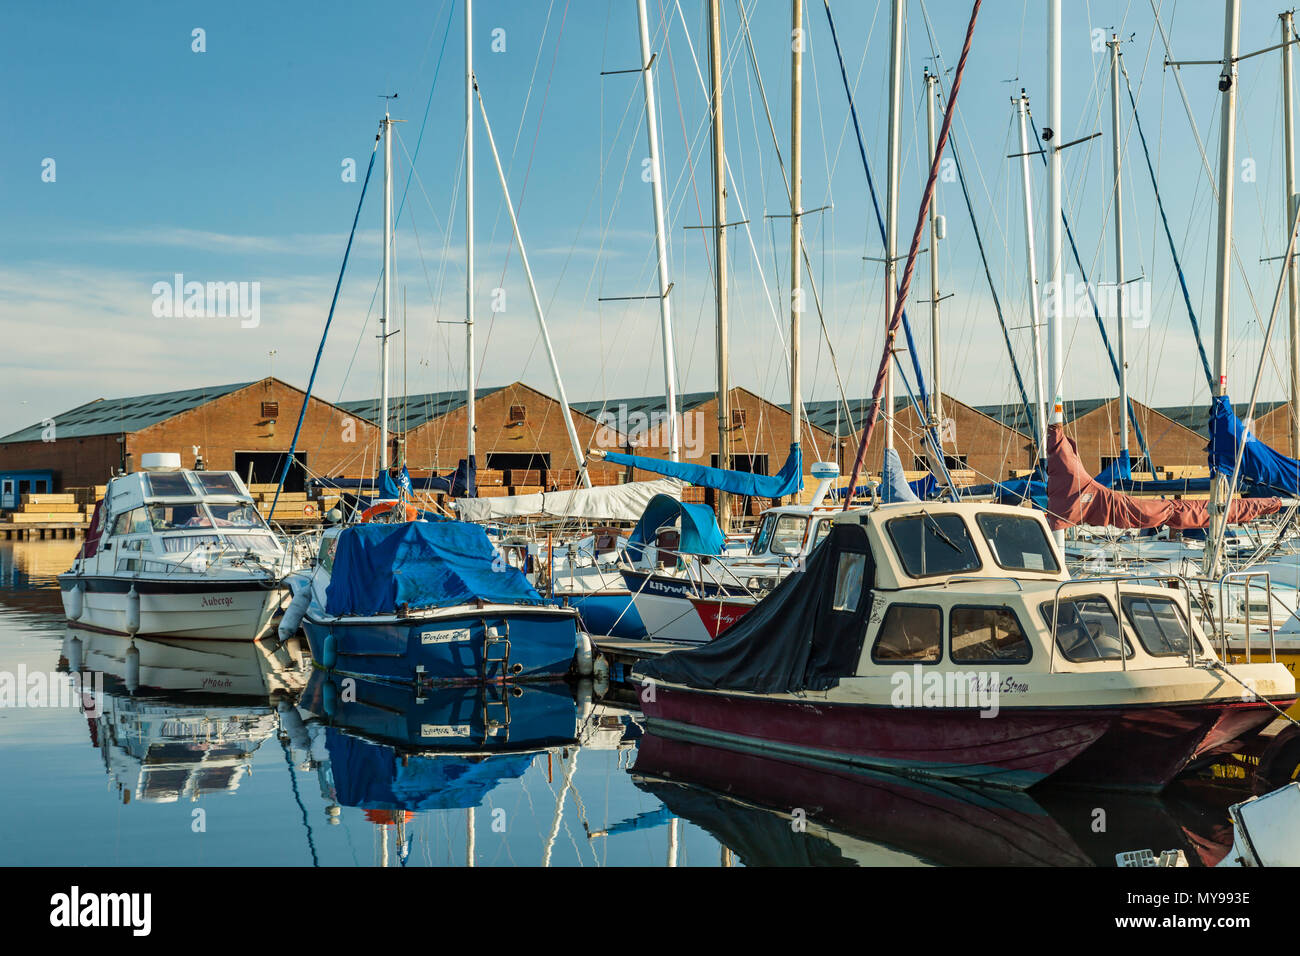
(517, 414)
(270, 409)
(737, 418)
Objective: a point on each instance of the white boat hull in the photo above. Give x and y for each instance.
(211, 610)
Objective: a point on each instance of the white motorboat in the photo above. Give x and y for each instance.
(177, 553)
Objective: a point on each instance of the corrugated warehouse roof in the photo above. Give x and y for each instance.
(418, 408)
(115, 416)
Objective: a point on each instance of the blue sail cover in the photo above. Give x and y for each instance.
(1264, 471)
(788, 481)
(394, 487)
(378, 567)
(1118, 473)
(700, 533)
(893, 483)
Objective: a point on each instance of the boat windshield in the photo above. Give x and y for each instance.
(240, 514)
(1159, 624)
(173, 517)
(1088, 630)
(781, 534)
(933, 544)
(1018, 543)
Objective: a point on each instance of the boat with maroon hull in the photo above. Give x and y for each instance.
(948, 641)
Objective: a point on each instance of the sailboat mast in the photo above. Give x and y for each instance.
(661, 245)
(1056, 263)
(1118, 200)
(470, 426)
(1219, 487)
(891, 199)
(796, 212)
(1293, 283)
(384, 317)
(1035, 312)
(936, 382)
(720, 256)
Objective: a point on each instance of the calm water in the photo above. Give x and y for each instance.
(237, 754)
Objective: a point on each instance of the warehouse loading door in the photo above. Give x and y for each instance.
(264, 467)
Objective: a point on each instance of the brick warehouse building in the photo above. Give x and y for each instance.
(248, 426)
(245, 427)
(519, 429)
(976, 442)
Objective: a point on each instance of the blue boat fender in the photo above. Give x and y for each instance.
(329, 652)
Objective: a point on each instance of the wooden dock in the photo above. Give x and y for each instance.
(34, 531)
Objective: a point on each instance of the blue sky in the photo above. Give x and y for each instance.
(224, 165)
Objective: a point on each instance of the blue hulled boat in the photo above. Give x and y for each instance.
(429, 603)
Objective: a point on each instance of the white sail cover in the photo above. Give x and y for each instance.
(625, 502)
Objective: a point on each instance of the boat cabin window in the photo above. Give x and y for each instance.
(168, 485)
(781, 534)
(933, 544)
(217, 482)
(823, 529)
(253, 542)
(1018, 544)
(328, 546)
(989, 634)
(848, 581)
(1159, 625)
(171, 517)
(135, 521)
(185, 543)
(236, 515)
(909, 632)
(1088, 630)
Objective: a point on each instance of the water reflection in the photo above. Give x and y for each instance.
(393, 751)
(178, 719)
(775, 813)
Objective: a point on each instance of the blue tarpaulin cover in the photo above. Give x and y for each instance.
(700, 533)
(893, 483)
(787, 481)
(380, 566)
(1263, 470)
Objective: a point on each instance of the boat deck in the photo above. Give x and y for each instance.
(630, 650)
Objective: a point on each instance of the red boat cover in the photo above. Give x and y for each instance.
(1075, 497)
(94, 532)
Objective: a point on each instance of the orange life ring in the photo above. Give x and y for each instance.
(383, 507)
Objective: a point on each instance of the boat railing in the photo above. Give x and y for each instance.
(1170, 580)
(1247, 577)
